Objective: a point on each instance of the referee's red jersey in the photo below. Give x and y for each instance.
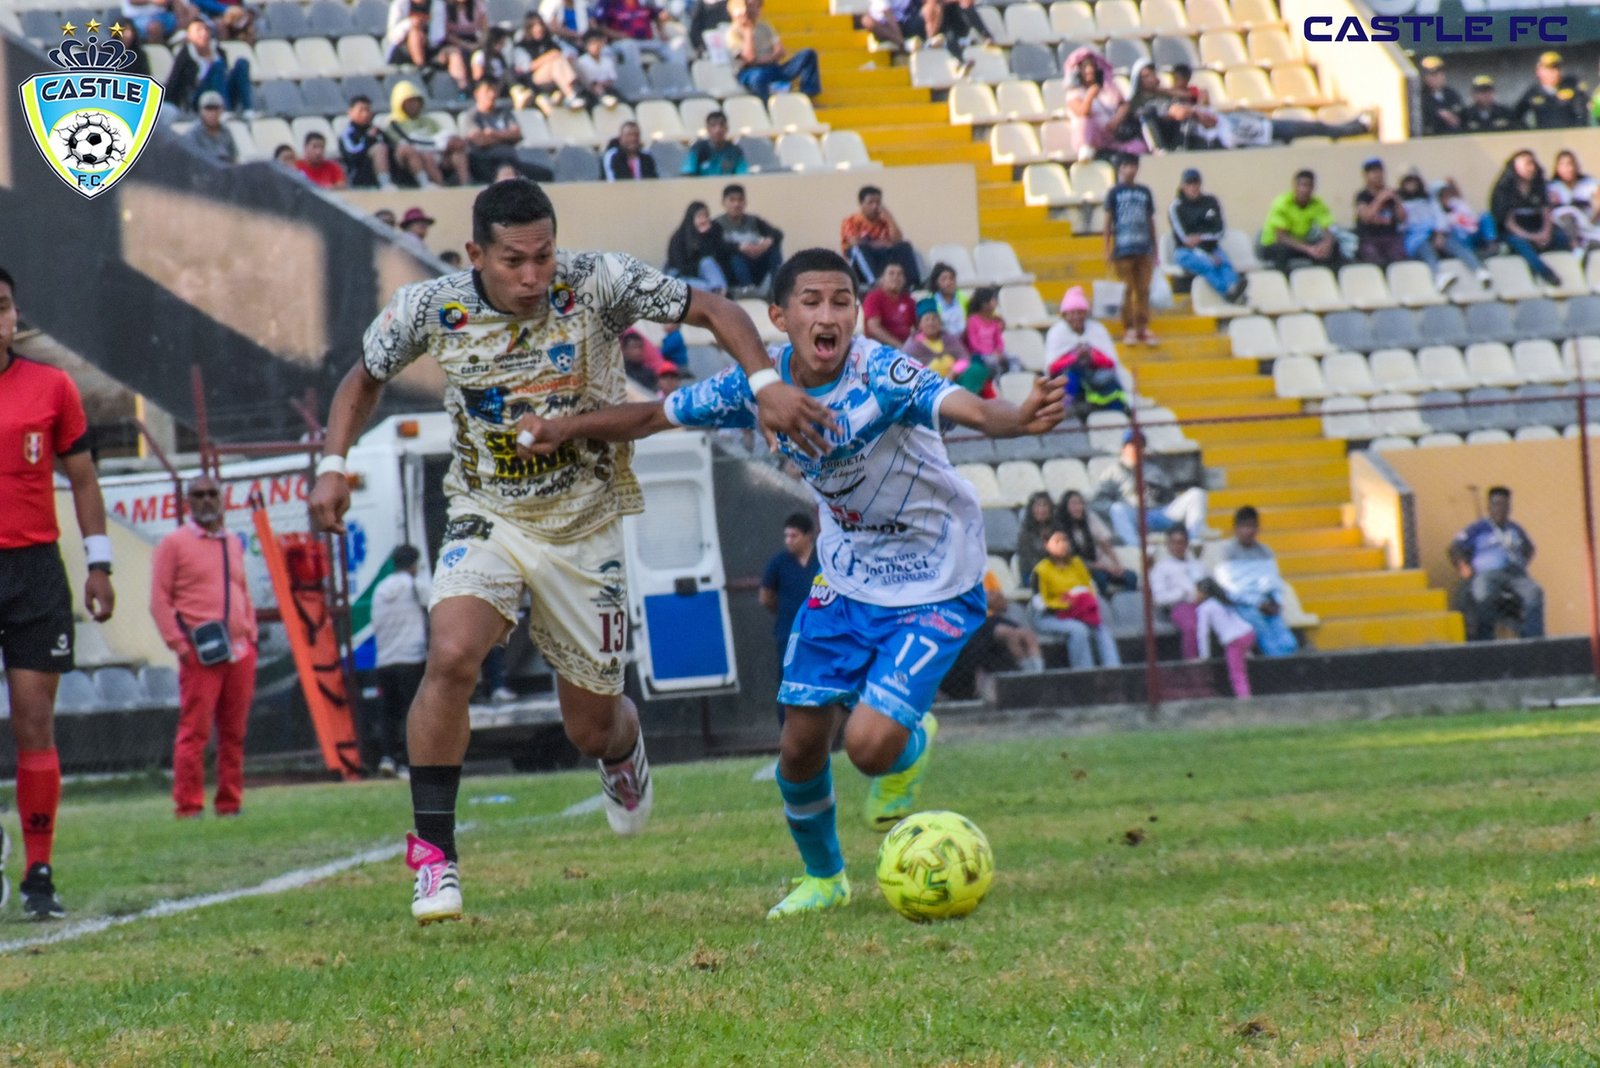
(41, 418)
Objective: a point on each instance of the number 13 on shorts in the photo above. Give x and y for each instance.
(613, 632)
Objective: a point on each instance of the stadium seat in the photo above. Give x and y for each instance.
(1271, 47)
(1209, 303)
(1046, 185)
(1105, 432)
(845, 151)
(1488, 408)
(1411, 283)
(1028, 22)
(574, 128)
(1061, 474)
(1223, 50)
(1254, 337)
(934, 68)
(1163, 434)
(986, 65)
(306, 125)
(1020, 102)
(1127, 613)
(1073, 20)
(1015, 144)
(659, 120)
(793, 113)
(1302, 334)
(715, 79)
(693, 112)
(997, 262)
(1211, 83)
(316, 58)
(1000, 525)
(1391, 444)
(1347, 374)
(748, 117)
(1491, 321)
(1439, 440)
(1363, 285)
(1032, 62)
(1207, 15)
(1241, 250)
(1511, 278)
(76, 694)
(1058, 140)
(760, 156)
(1298, 378)
(1347, 418)
(1395, 328)
(535, 130)
(159, 56)
(1316, 290)
(1092, 180)
(1396, 414)
(1582, 354)
(973, 105)
(1569, 270)
(370, 18)
(249, 149)
(1539, 361)
(1395, 370)
(577, 163)
(1123, 52)
(117, 688)
(1163, 17)
(608, 122)
(1249, 87)
(1591, 273)
(1026, 347)
(1540, 317)
(1268, 293)
(800, 152)
(1490, 436)
(323, 97)
(1490, 364)
(671, 78)
(1574, 430)
(1443, 367)
(1444, 412)
(958, 259)
(1349, 330)
(159, 686)
(1583, 316)
(983, 481)
(282, 99)
(1020, 305)
(1536, 433)
(669, 156)
(1168, 52)
(1541, 403)
(1257, 14)
(1296, 83)
(1443, 324)
(330, 18)
(286, 21)
(969, 450)
(1019, 479)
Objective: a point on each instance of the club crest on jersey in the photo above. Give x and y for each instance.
(563, 356)
(89, 120)
(33, 446)
(563, 299)
(453, 316)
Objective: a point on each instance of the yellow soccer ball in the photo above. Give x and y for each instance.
(935, 866)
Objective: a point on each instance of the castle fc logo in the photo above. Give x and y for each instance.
(89, 119)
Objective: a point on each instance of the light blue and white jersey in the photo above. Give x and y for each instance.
(899, 526)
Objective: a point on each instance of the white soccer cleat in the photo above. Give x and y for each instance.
(438, 890)
(627, 793)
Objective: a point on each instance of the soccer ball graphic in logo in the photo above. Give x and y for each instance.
(93, 143)
(934, 866)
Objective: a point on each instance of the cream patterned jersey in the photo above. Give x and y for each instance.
(499, 367)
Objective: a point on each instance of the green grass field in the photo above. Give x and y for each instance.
(1413, 892)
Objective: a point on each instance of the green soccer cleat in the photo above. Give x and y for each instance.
(894, 797)
(813, 894)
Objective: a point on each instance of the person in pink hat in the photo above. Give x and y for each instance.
(1076, 329)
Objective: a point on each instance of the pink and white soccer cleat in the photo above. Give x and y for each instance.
(627, 792)
(438, 891)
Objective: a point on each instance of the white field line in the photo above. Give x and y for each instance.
(298, 879)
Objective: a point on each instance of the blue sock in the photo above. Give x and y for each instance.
(908, 756)
(809, 807)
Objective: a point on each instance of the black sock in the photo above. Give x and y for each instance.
(433, 804)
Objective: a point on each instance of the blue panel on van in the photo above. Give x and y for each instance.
(686, 635)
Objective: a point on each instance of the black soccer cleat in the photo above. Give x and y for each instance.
(39, 901)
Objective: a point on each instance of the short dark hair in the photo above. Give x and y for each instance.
(868, 191)
(983, 295)
(718, 114)
(360, 98)
(515, 202)
(809, 259)
(1183, 69)
(287, 148)
(404, 556)
(799, 521)
(1305, 173)
(1247, 514)
(1499, 491)
(7, 281)
(938, 269)
(592, 35)
(310, 137)
(490, 82)
(1127, 159)
(732, 188)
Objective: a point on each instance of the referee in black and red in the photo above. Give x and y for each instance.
(41, 425)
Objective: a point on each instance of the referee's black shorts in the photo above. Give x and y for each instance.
(35, 609)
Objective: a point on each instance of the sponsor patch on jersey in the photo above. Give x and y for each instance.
(563, 356)
(563, 299)
(452, 557)
(822, 594)
(468, 528)
(453, 316)
(33, 446)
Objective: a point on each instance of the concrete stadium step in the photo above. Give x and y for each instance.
(1332, 587)
(996, 218)
(840, 96)
(900, 156)
(1175, 374)
(1226, 455)
(870, 78)
(1368, 632)
(1260, 435)
(902, 137)
(1315, 539)
(1278, 472)
(1228, 409)
(1212, 389)
(1330, 561)
(1357, 604)
(1329, 493)
(1276, 518)
(854, 116)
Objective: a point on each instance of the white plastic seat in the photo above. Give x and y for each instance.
(1536, 433)
(934, 68)
(1268, 293)
(1105, 432)
(1163, 434)
(1254, 337)
(1348, 375)
(793, 113)
(973, 105)
(273, 132)
(1439, 440)
(535, 130)
(1223, 50)
(1019, 101)
(1362, 285)
(1396, 414)
(1019, 479)
(1073, 20)
(1027, 347)
(1164, 18)
(997, 262)
(1241, 250)
(659, 120)
(1298, 378)
(159, 57)
(1296, 83)
(693, 112)
(1539, 361)
(1316, 290)
(1206, 15)
(1209, 303)
(1064, 473)
(1569, 270)
(1021, 306)
(1411, 284)
(715, 79)
(958, 259)
(608, 122)
(1490, 364)
(983, 481)
(1118, 18)
(571, 127)
(1014, 144)
(360, 54)
(1303, 333)
(1046, 185)
(845, 151)
(1391, 444)
(1582, 353)
(1249, 87)
(747, 117)
(1511, 278)
(1029, 23)
(987, 65)
(1347, 418)
(310, 124)
(1488, 437)
(1443, 367)
(1256, 13)
(1395, 370)
(1270, 47)
(316, 58)
(800, 152)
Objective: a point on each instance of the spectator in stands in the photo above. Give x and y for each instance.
(386, 217)
(597, 69)
(1174, 589)
(1002, 642)
(786, 582)
(451, 259)
(1197, 231)
(466, 27)
(1117, 493)
(705, 16)
(1091, 541)
(871, 239)
(637, 362)
(1248, 574)
(492, 139)
(492, 62)
(208, 136)
(759, 54)
(1492, 556)
(1575, 198)
(156, 20)
(283, 156)
(1183, 89)
(1520, 205)
(636, 28)
(1038, 520)
(323, 172)
(1428, 232)
(1484, 114)
(945, 24)
(670, 378)
(541, 66)
(1379, 216)
(714, 153)
(1553, 101)
(1065, 603)
(1076, 329)
(697, 252)
(1147, 89)
(400, 632)
(199, 65)
(1299, 226)
(626, 159)
(888, 312)
(362, 149)
(416, 223)
(1470, 231)
(1130, 240)
(1201, 128)
(1093, 382)
(944, 353)
(986, 330)
(1101, 119)
(1217, 615)
(418, 36)
(422, 144)
(946, 294)
(200, 601)
(1441, 105)
(673, 349)
(757, 245)
(230, 19)
(569, 21)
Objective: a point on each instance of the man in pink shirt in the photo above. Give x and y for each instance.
(199, 582)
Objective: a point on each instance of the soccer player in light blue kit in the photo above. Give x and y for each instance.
(902, 548)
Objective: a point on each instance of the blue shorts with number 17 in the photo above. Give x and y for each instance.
(844, 652)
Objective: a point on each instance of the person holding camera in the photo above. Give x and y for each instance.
(1492, 557)
(1248, 573)
(200, 600)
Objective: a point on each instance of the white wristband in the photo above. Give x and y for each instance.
(97, 549)
(762, 379)
(330, 464)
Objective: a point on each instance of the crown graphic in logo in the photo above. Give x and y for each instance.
(89, 119)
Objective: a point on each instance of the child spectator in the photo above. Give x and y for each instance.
(943, 353)
(1174, 579)
(1131, 248)
(1091, 541)
(1469, 230)
(1576, 198)
(283, 156)
(952, 308)
(1216, 615)
(597, 69)
(986, 331)
(1065, 603)
(1248, 574)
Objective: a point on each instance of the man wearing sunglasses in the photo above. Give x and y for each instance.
(201, 604)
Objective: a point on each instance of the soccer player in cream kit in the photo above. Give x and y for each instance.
(901, 549)
(531, 329)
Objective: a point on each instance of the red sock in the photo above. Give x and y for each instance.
(38, 794)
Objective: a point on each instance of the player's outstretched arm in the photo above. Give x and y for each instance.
(782, 408)
(1044, 407)
(623, 422)
(99, 599)
(352, 406)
